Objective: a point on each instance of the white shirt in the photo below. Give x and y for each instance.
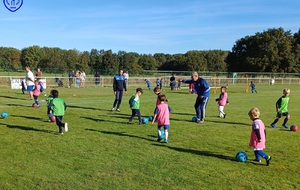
(29, 76)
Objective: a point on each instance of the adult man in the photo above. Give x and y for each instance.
(172, 82)
(118, 86)
(203, 91)
(29, 81)
(71, 78)
(126, 77)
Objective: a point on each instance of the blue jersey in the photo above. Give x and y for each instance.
(119, 83)
(201, 86)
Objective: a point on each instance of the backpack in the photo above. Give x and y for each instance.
(131, 100)
(42, 88)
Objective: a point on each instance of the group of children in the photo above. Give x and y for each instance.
(161, 112)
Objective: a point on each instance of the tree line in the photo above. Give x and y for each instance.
(274, 50)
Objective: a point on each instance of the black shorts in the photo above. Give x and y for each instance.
(279, 115)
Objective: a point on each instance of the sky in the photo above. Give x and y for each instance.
(143, 26)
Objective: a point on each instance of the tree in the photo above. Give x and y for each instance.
(31, 56)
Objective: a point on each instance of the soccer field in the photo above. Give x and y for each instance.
(101, 151)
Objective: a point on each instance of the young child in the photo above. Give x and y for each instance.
(36, 92)
(179, 84)
(23, 85)
(148, 84)
(135, 106)
(162, 116)
(57, 107)
(282, 108)
(253, 88)
(222, 101)
(161, 83)
(258, 136)
(157, 91)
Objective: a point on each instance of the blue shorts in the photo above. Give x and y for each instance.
(30, 88)
(165, 127)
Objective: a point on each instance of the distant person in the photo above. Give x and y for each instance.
(23, 85)
(134, 103)
(126, 77)
(148, 84)
(57, 107)
(172, 82)
(203, 90)
(71, 78)
(161, 84)
(157, 82)
(258, 136)
(162, 116)
(82, 78)
(29, 82)
(97, 78)
(38, 73)
(78, 79)
(222, 101)
(118, 86)
(178, 84)
(253, 88)
(282, 109)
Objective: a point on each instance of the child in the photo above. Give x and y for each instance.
(179, 84)
(258, 136)
(23, 85)
(252, 85)
(160, 84)
(222, 101)
(162, 116)
(57, 107)
(157, 82)
(157, 91)
(36, 92)
(148, 84)
(282, 108)
(135, 106)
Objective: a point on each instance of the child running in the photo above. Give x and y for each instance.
(36, 92)
(134, 103)
(258, 136)
(282, 108)
(57, 107)
(222, 101)
(162, 116)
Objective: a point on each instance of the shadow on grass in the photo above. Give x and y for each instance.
(199, 152)
(190, 114)
(29, 117)
(19, 105)
(123, 134)
(227, 122)
(14, 98)
(89, 108)
(25, 128)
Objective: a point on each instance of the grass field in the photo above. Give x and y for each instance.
(101, 151)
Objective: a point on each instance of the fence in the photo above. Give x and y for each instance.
(5, 81)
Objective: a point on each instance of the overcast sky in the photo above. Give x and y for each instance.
(143, 26)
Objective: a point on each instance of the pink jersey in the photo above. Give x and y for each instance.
(258, 124)
(163, 114)
(223, 101)
(37, 90)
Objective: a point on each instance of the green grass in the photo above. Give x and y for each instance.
(101, 151)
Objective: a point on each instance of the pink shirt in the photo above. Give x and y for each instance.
(163, 114)
(223, 101)
(37, 90)
(258, 124)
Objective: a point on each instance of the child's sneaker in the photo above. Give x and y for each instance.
(166, 141)
(118, 110)
(66, 127)
(273, 125)
(129, 122)
(257, 160)
(285, 126)
(200, 121)
(112, 109)
(159, 139)
(268, 160)
(224, 116)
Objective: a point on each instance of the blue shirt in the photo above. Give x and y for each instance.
(119, 83)
(201, 86)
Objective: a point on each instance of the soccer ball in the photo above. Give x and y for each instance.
(34, 105)
(145, 120)
(4, 115)
(294, 128)
(194, 119)
(150, 118)
(241, 156)
(53, 118)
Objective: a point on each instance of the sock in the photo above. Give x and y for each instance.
(285, 121)
(275, 121)
(166, 135)
(159, 133)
